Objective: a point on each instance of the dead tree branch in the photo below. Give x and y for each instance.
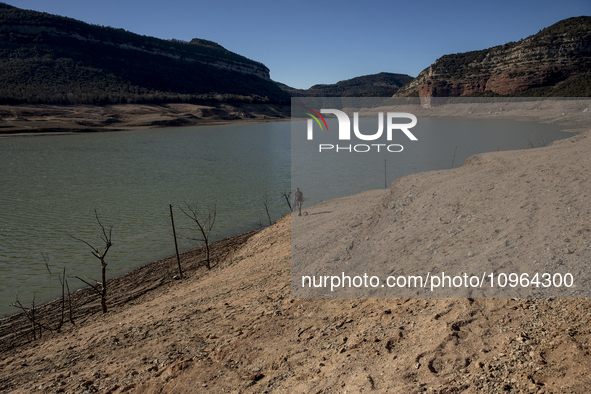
(204, 218)
(62, 279)
(106, 237)
(266, 204)
(176, 246)
(30, 315)
(287, 197)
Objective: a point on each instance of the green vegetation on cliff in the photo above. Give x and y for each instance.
(554, 62)
(570, 27)
(375, 85)
(52, 59)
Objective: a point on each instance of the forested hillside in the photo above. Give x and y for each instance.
(57, 60)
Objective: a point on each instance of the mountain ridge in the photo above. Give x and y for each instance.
(52, 59)
(534, 66)
(383, 84)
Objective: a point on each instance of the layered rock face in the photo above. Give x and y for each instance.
(554, 55)
(207, 52)
(51, 59)
(238, 64)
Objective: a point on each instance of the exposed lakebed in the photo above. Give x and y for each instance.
(52, 185)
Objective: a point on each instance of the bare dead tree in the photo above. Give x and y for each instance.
(544, 142)
(30, 315)
(70, 304)
(60, 324)
(64, 283)
(106, 237)
(176, 246)
(287, 196)
(531, 140)
(266, 204)
(204, 218)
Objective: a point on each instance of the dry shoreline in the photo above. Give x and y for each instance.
(238, 329)
(35, 120)
(573, 114)
(130, 287)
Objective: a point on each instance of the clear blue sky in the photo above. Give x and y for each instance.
(309, 42)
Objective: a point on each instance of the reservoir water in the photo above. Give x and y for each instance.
(50, 187)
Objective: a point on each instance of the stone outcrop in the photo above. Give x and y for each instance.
(554, 55)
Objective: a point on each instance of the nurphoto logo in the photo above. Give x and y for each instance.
(344, 130)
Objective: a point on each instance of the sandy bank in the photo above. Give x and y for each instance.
(238, 328)
(132, 287)
(502, 212)
(30, 120)
(574, 114)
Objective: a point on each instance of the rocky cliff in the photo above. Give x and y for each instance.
(52, 59)
(542, 64)
(243, 65)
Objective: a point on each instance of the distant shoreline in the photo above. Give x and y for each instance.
(42, 120)
(573, 115)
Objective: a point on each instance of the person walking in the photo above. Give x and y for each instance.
(298, 200)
